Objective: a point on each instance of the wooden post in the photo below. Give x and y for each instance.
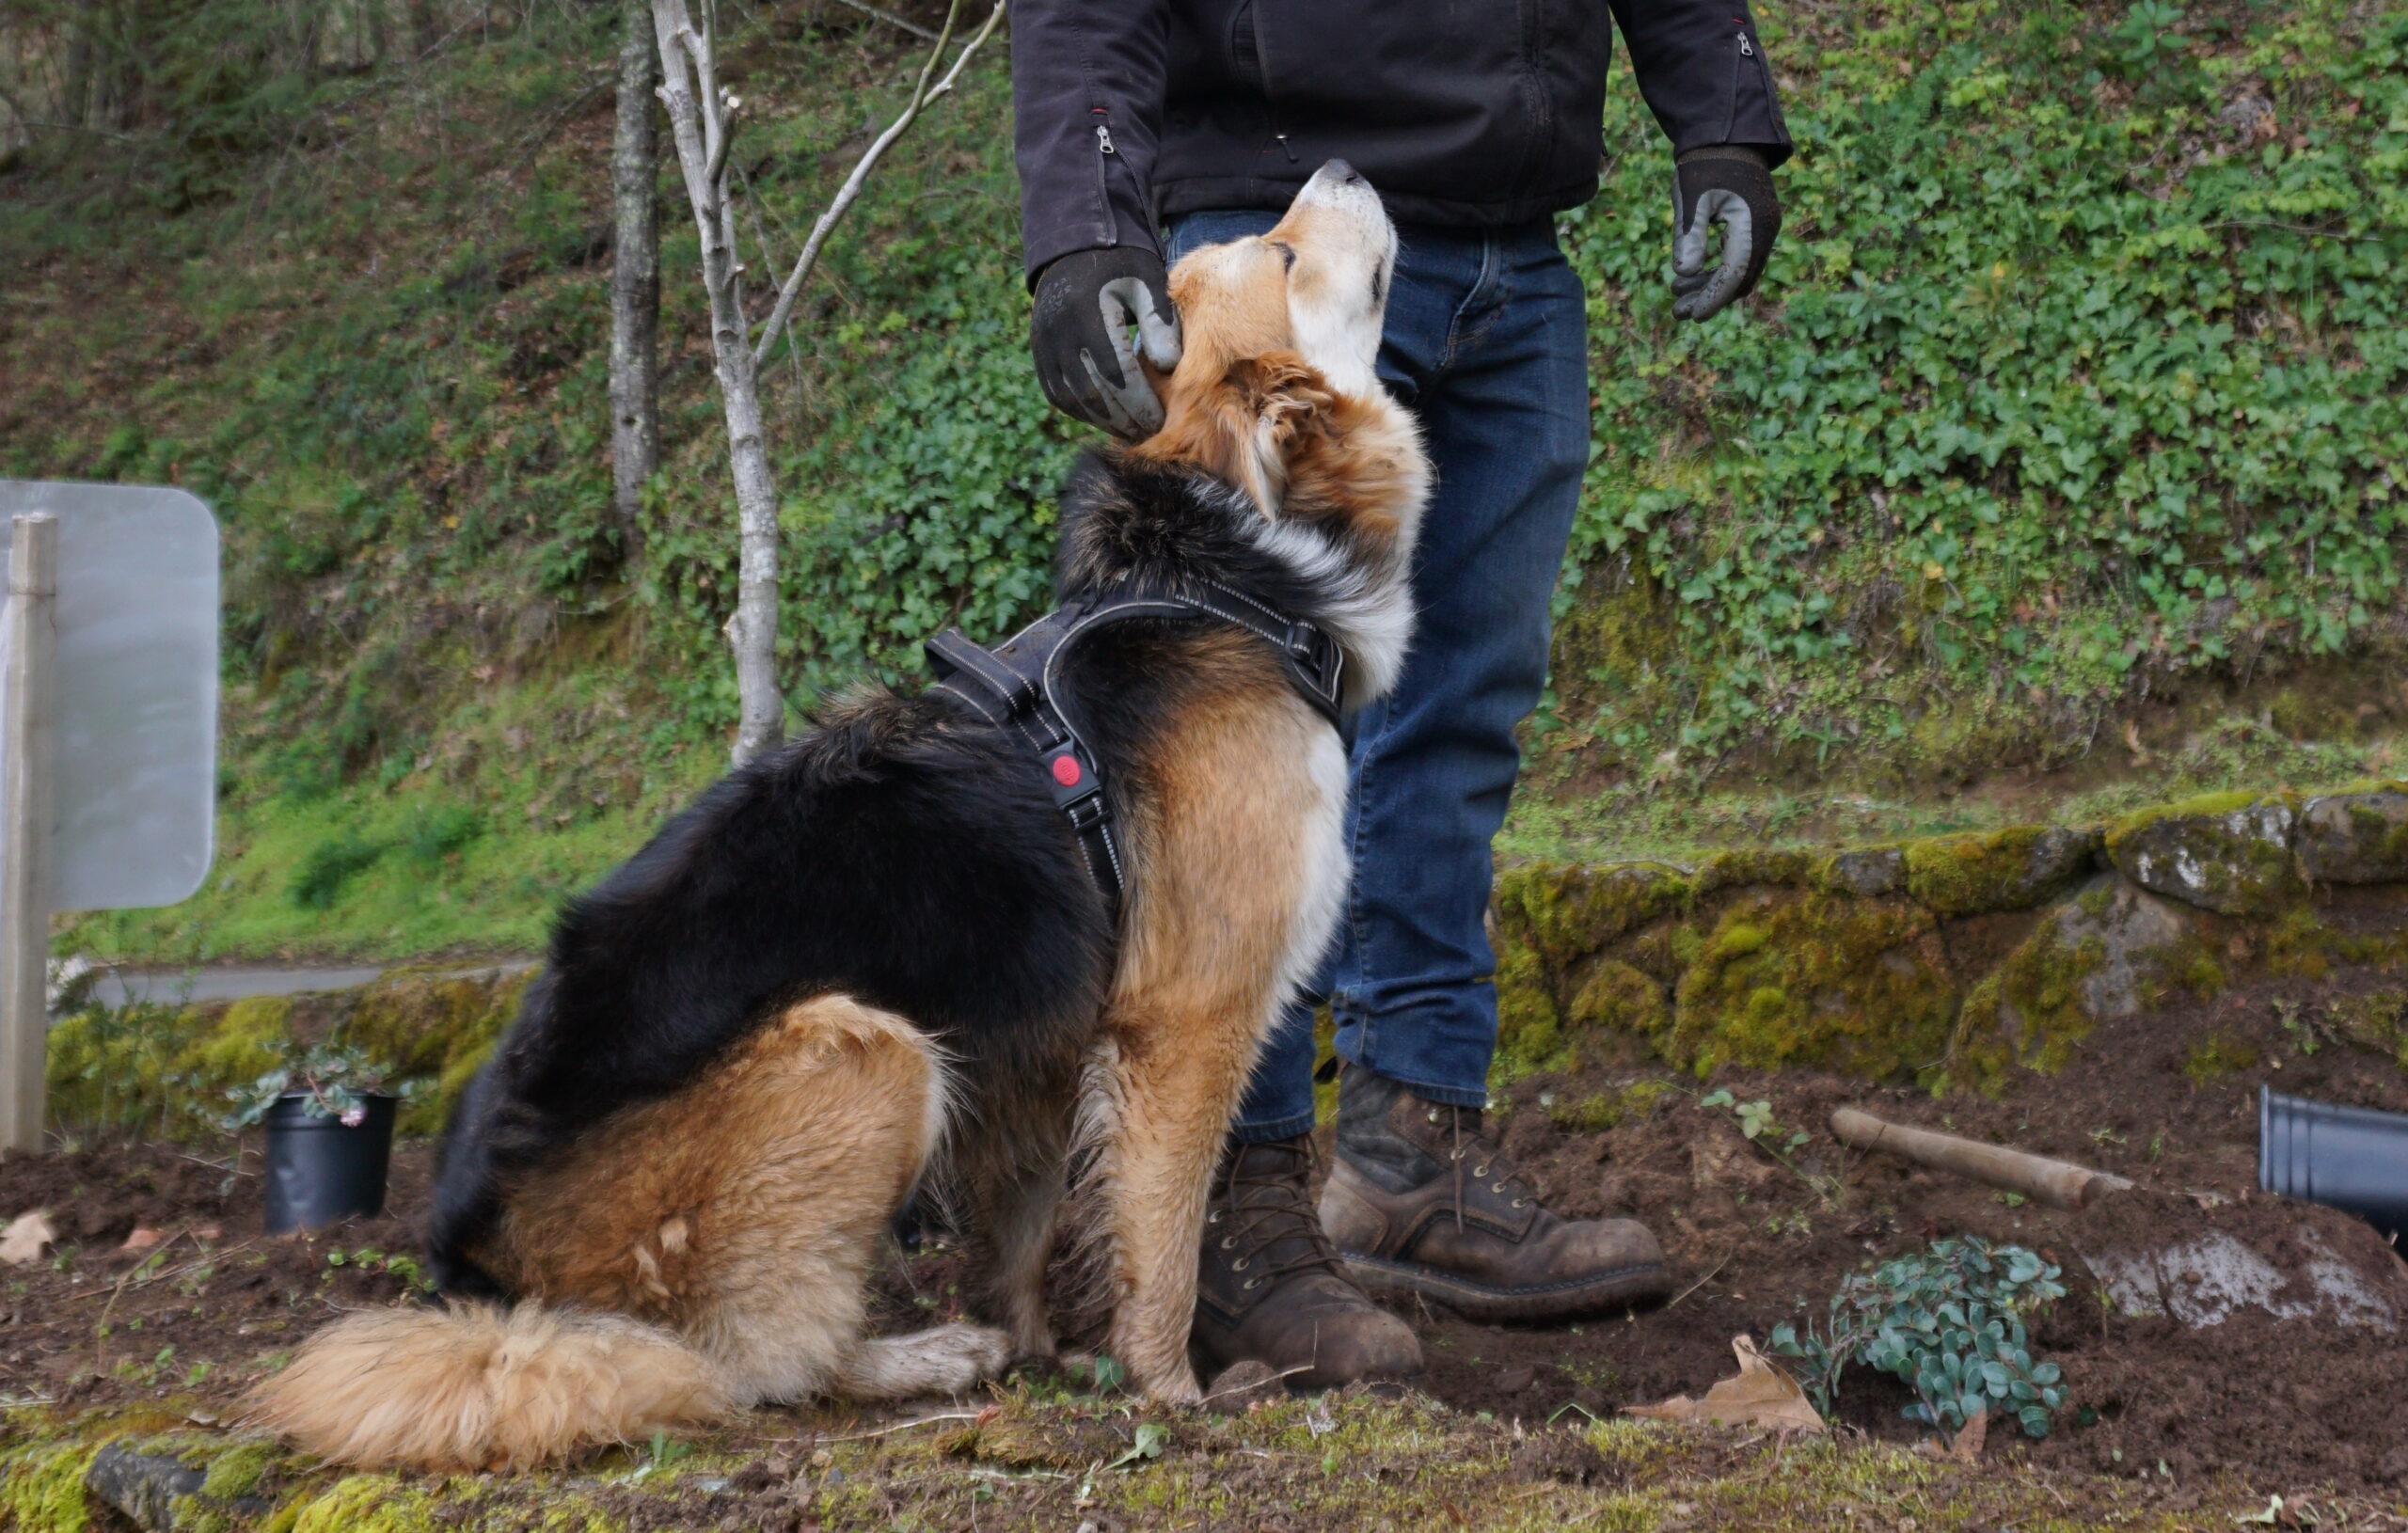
(27, 741)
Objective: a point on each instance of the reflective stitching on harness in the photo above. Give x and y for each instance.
(1013, 686)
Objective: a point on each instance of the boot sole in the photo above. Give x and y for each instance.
(1567, 1300)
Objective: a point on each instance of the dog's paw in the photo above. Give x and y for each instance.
(965, 1355)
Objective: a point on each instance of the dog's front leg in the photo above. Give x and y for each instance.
(1175, 1084)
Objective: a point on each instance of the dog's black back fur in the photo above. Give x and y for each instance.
(899, 850)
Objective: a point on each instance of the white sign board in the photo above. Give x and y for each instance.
(135, 772)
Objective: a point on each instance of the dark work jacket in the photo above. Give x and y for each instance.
(1460, 111)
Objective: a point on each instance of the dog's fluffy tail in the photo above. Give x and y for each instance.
(479, 1387)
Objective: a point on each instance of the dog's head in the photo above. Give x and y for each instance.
(1275, 390)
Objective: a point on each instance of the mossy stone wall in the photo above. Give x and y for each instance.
(167, 1070)
(1888, 962)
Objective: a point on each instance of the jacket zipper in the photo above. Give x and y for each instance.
(1104, 155)
(1747, 49)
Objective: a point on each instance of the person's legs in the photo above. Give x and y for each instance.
(1486, 340)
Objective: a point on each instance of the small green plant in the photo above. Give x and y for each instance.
(1760, 1128)
(2309, 1031)
(330, 865)
(334, 1077)
(434, 834)
(1949, 1321)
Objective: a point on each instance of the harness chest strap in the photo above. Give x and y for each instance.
(1012, 687)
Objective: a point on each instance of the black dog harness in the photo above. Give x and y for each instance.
(1012, 687)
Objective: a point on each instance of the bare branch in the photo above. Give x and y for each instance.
(923, 93)
(690, 89)
(892, 19)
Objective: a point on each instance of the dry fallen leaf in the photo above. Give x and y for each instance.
(1968, 1446)
(26, 1238)
(1760, 1395)
(143, 1239)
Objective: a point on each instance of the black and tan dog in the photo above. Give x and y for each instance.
(878, 951)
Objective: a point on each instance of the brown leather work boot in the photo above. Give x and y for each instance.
(1420, 1203)
(1272, 1289)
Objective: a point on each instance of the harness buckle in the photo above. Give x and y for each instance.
(1086, 813)
(1318, 657)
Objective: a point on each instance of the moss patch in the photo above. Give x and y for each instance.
(2013, 869)
(430, 1024)
(1818, 981)
(2377, 1021)
(167, 1070)
(1619, 999)
(41, 1488)
(2355, 838)
(2217, 1056)
(1598, 1111)
(2230, 853)
(1565, 913)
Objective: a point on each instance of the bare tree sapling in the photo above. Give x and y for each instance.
(703, 120)
(634, 278)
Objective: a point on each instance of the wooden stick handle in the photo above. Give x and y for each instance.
(2060, 1184)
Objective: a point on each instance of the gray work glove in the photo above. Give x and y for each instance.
(1727, 184)
(1097, 313)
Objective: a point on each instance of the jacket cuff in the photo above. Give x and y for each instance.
(1044, 248)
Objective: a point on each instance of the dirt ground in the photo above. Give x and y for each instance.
(2282, 1403)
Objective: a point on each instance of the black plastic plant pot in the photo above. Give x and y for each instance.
(320, 1170)
(2349, 1158)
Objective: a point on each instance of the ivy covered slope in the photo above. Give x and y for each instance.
(2080, 367)
(2077, 380)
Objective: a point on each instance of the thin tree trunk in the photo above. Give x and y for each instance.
(699, 125)
(77, 99)
(425, 29)
(635, 281)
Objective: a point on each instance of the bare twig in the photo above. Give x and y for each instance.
(922, 95)
(891, 18)
(1248, 1388)
(907, 1426)
(1700, 1283)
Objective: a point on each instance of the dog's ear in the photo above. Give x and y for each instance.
(1246, 425)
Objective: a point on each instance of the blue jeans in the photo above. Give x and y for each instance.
(1487, 343)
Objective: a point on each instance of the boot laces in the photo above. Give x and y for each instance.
(1485, 1158)
(1265, 1206)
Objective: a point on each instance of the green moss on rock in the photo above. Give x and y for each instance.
(2229, 853)
(2099, 956)
(1566, 914)
(167, 1070)
(1867, 871)
(2013, 869)
(1746, 867)
(2378, 1022)
(41, 1488)
(1617, 998)
(1528, 1029)
(367, 1504)
(1816, 980)
(431, 1023)
(2355, 838)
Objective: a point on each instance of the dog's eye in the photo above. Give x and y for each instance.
(1286, 255)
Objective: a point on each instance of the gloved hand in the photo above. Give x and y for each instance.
(1088, 304)
(1727, 184)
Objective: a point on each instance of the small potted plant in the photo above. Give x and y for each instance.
(329, 1112)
